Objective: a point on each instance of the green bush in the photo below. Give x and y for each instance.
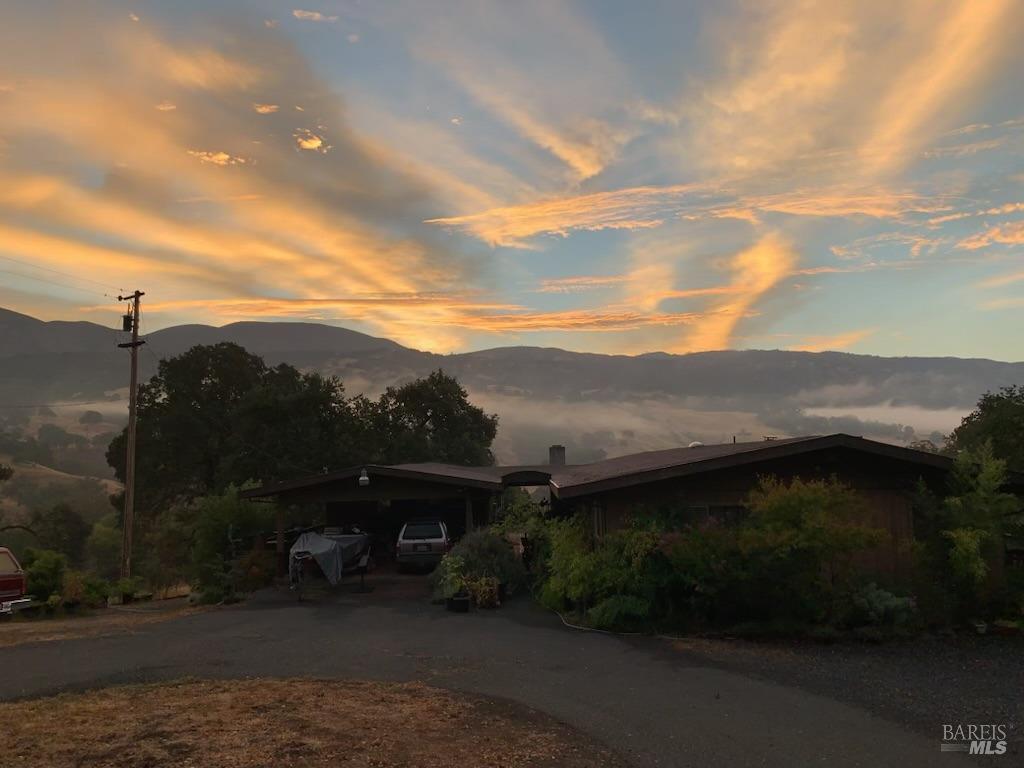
(958, 539)
(126, 587)
(624, 567)
(95, 591)
(484, 553)
(788, 564)
(103, 547)
(877, 607)
(45, 571)
(224, 529)
(449, 578)
(619, 611)
(799, 542)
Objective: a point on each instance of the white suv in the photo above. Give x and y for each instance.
(422, 543)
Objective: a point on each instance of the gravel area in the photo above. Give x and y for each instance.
(921, 683)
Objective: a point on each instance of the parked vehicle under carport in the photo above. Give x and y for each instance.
(422, 543)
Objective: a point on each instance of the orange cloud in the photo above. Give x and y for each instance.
(629, 209)
(217, 158)
(1007, 234)
(637, 208)
(306, 139)
(838, 341)
(265, 109)
(756, 271)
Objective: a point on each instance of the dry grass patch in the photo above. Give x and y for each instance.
(103, 621)
(307, 723)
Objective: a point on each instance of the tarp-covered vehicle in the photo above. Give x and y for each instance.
(335, 555)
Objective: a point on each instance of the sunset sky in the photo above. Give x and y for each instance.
(598, 176)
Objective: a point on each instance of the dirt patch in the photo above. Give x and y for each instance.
(308, 723)
(104, 621)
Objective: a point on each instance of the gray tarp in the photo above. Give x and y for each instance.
(326, 552)
(331, 554)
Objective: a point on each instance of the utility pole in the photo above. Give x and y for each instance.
(131, 322)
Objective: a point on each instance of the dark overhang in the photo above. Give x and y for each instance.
(571, 481)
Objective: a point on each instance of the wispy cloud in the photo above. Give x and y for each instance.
(260, 220)
(964, 150)
(802, 79)
(302, 15)
(1000, 280)
(755, 271)
(579, 283)
(646, 207)
(628, 209)
(1004, 234)
(216, 158)
(265, 109)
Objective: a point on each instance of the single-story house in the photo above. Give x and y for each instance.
(710, 480)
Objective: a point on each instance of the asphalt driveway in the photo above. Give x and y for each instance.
(654, 706)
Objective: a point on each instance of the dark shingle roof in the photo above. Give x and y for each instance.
(580, 479)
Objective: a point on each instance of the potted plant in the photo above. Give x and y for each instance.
(452, 583)
(484, 591)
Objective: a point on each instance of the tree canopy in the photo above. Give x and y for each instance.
(997, 419)
(217, 416)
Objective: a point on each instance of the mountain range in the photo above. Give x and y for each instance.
(596, 404)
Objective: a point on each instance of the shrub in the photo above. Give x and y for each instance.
(877, 607)
(449, 578)
(619, 611)
(45, 571)
(483, 591)
(125, 588)
(84, 589)
(103, 547)
(223, 524)
(583, 574)
(799, 542)
(484, 553)
(255, 570)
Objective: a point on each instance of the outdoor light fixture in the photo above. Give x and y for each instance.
(364, 479)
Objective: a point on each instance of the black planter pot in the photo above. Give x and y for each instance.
(458, 604)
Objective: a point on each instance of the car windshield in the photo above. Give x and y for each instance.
(422, 531)
(7, 564)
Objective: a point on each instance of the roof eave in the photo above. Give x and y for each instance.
(770, 451)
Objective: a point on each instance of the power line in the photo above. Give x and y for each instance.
(59, 405)
(54, 282)
(58, 272)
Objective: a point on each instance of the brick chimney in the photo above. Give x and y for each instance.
(556, 455)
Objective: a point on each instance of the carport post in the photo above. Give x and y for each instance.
(282, 556)
(469, 512)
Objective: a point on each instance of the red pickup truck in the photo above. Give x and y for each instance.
(12, 583)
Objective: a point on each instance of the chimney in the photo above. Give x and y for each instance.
(556, 455)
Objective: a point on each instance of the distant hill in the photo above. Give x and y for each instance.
(49, 361)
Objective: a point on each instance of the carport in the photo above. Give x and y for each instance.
(379, 498)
